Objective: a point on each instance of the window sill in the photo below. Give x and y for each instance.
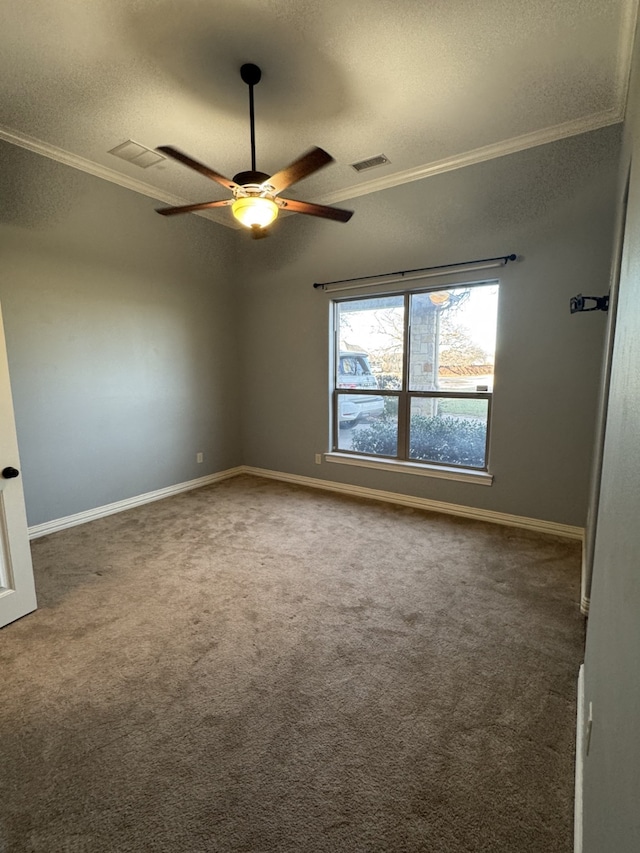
(462, 475)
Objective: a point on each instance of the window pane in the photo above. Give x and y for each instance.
(453, 339)
(449, 430)
(370, 342)
(368, 424)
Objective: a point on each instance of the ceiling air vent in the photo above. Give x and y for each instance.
(378, 160)
(137, 154)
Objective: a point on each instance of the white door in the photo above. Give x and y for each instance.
(17, 591)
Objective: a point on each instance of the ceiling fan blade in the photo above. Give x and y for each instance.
(170, 151)
(336, 213)
(310, 162)
(189, 208)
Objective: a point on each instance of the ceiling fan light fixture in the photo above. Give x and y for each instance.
(257, 195)
(254, 210)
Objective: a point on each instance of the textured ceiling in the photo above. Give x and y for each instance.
(433, 85)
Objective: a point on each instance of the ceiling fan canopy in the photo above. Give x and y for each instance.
(256, 200)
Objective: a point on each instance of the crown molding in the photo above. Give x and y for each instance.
(98, 171)
(481, 155)
(595, 121)
(448, 164)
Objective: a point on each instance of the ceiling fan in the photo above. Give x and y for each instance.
(256, 198)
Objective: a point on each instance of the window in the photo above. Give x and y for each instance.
(414, 375)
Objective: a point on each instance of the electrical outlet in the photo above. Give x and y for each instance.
(318, 458)
(199, 457)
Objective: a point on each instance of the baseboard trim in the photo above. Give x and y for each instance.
(57, 524)
(535, 524)
(538, 525)
(577, 812)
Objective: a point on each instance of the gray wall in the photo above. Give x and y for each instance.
(554, 206)
(612, 673)
(121, 337)
(135, 341)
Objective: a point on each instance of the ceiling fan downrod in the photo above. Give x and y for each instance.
(251, 75)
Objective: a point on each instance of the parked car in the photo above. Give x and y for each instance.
(354, 371)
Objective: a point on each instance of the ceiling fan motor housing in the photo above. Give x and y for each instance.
(250, 177)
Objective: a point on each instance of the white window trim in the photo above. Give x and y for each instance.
(422, 469)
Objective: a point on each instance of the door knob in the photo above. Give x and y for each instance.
(10, 473)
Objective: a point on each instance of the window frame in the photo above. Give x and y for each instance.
(404, 395)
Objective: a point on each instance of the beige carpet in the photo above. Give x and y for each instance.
(260, 668)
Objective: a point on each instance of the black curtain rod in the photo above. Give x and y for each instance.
(504, 258)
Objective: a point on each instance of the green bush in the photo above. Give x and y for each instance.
(381, 438)
(452, 441)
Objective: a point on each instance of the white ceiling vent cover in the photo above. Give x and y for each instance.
(370, 162)
(137, 154)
